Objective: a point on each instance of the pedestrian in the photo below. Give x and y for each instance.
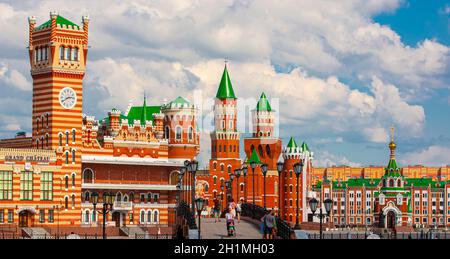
(232, 207)
(216, 210)
(238, 211)
(269, 223)
(230, 223)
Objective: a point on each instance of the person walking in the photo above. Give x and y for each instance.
(216, 210)
(232, 207)
(269, 223)
(238, 211)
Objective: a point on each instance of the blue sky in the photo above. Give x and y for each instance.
(339, 73)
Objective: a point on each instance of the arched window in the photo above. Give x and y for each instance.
(399, 183)
(155, 216)
(229, 169)
(87, 197)
(60, 139)
(73, 156)
(66, 182)
(66, 202)
(149, 216)
(37, 124)
(178, 133)
(384, 182)
(222, 167)
(73, 135)
(42, 143)
(67, 158)
(88, 176)
(40, 54)
(166, 132)
(67, 138)
(269, 154)
(68, 53)
(73, 180)
(61, 52)
(206, 187)
(46, 140)
(46, 53)
(260, 134)
(87, 216)
(391, 183)
(142, 219)
(125, 198)
(46, 119)
(37, 143)
(215, 165)
(215, 180)
(191, 133)
(261, 151)
(75, 54)
(268, 133)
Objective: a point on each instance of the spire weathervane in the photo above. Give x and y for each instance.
(392, 133)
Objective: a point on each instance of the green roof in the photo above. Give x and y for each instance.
(59, 20)
(178, 102)
(254, 157)
(292, 143)
(392, 169)
(263, 104)
(141, 114)
(225, 90)
(424, 182)
(305, 147)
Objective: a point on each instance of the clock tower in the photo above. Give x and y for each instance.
(58, 53)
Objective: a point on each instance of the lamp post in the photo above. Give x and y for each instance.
(231, 185)
(264, 168)
(244, 172)
(280, 166)
(228, 187)
(253, 165)
(191, 167)
(200, 203)
(313, 205)
(107, 207)
(222, 188)
(180, 179)
(237, 173)
(298, 168)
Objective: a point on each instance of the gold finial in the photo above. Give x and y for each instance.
(392, 133)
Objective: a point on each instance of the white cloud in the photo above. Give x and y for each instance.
(14, 78)
(327, 159)
(432, 156)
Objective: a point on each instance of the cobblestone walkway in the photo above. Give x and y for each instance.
(218, 230)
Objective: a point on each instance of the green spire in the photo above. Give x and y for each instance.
(144, 112)
(254, 157)
(292, 144)
(225, 88)
(263, 104)
(305, 147)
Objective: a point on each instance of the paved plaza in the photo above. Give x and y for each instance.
(218, 230)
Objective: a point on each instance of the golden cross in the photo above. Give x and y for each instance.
(392, 133)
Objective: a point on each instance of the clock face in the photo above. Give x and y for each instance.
(67, 98)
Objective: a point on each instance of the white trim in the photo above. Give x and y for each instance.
(132, 160)
(153, 187)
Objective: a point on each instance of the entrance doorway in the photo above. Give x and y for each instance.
(119, 218)
(390, 220)
(25, 219)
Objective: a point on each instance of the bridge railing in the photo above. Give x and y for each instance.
(284, 230)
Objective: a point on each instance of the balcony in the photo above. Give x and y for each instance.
(123, 205)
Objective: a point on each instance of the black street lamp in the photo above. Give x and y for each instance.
(191, 167)
(200, 203)
(180, 179)
(244, 172)
(253, 165)
(280, 166)
(107, 206)
(222, 188)
(313, 205)
(228, 186)
(298, 168)
(264, 168)
(237, 173)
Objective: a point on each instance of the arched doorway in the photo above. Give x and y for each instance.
(25, 219)
(390, 219)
